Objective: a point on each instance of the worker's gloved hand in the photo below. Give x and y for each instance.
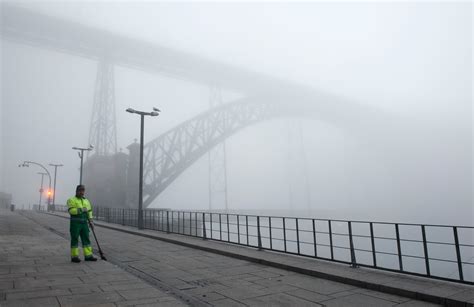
(84, 209)
(91, 224)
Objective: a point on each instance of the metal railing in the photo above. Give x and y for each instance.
(434, 251)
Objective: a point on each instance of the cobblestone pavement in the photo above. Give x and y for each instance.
(193, 276)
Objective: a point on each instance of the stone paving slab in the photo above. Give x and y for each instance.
(46, 277)
(217, 280)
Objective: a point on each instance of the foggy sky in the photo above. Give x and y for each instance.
(412, 60)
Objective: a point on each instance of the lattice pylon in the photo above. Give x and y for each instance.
(217, 159)
(103, 128)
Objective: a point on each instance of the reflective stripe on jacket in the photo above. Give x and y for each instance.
(75, 207)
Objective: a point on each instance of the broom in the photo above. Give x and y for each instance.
(102, 256)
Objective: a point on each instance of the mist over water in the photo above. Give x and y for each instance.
(407, 157)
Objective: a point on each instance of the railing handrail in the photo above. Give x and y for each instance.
(296, 217)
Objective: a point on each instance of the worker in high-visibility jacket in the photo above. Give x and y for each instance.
(80, 210)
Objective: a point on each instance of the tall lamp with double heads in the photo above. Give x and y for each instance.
(142, 114)
(81, 155)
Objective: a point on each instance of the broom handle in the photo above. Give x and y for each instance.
(95, 237)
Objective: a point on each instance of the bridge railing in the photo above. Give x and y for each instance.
(436, 251)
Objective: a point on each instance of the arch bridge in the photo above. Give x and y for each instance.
(167, 156)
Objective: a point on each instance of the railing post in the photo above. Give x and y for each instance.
(247, 228)
(123, 217)
(220, 227)
(228, 228)
(238, 228)
(210, 218)
(458, 253)
(314, 240)
(351, 243)
(297, 236)
(258, 232)
(172, 221)
(270, 231)
(167, 221)
(425, 248)
(372, 240)
(284, 233)
(204, 235)
(399, 247)
(196, 222)
(330, 239)
(160, 213)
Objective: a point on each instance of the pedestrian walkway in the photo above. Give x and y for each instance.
(35, 270)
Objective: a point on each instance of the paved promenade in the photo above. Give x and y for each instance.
(35, 271)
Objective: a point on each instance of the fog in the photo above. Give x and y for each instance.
(408, 64)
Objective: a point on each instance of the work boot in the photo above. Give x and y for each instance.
(75, 259)
(90, 258)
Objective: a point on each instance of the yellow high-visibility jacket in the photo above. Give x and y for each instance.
(75, 207)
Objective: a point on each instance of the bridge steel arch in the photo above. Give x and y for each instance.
(170, 154)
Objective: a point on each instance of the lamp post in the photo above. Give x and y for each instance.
(54, 188)
(27, 164)
(81, 155)
(41, 188)
(140, 181)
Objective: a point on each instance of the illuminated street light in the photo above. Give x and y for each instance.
(41, 190)
(54, 189)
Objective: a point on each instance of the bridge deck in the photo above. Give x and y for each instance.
(35, 270)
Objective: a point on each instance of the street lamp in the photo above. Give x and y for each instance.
(54, 189)
(140, 182)
(81, 155)
(27, 164)
(41, 188)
